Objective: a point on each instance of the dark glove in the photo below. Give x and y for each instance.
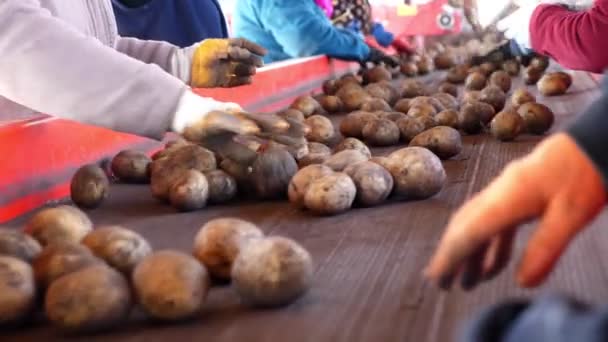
(507, 50)
(377, 57)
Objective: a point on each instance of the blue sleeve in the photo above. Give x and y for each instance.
(302, 30)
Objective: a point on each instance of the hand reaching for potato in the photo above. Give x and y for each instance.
(556, 183)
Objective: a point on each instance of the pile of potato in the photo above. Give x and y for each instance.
(89, 280)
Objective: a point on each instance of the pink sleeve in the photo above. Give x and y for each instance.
(574, 39)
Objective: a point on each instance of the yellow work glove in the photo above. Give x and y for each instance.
(557, 183)
(225, 63)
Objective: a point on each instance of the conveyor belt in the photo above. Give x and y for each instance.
(368, 261)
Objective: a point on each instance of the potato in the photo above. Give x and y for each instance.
(409, 69)
(376, 74)
(121, 248)
(353, 98)
(382, 161)
(409, 127)
(449, 88)
(19, 245)
(427, 121)
(538, 118)
(346, 79)
(494, 96)
(402, 106)
(93, 299)
(306, 104)
(471, 96)
(421, 110)
(317, 154)
(413, 88)
(447, 101)
(302, 179)
(444, 61)
(89, 186)
(272, 172)
(170, 147)
(424, 65)
(241, 174)
(353, 144)
(554, 84)
(475, 81)
(521, 96)
(190, 191)
(332, 104)
(219, 242)
(427, 100)
(506, 125)
(532, 75)
(330, 87)
(59, 259)
(131, 166)
(222, 186)
(381, 91)
(321, 129)
(417, 172)
(62, 223)
(501, 79)
(375, 105)
(392, 116)
(457, 74)
(469, 118)
(381, 132)
(511, 67)
(488, 68)
(374, 183)
(342, 159)
(331, 194)
(17, 290)
(540, 63)
(444, 141)
(292, 114)
(170, 285)
(261, 281)
(352, 124)
(447, 118)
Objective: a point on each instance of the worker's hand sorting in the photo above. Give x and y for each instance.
(225, 63)
(557, 183)
(376, 57)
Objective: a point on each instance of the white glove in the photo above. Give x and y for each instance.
(192, 109)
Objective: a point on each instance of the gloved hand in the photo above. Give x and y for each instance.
(556, 183)
(225, 63)
(376, 57)
(383, 37)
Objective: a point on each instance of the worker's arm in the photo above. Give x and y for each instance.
(574, 39)
(302, 30)
(470, 13)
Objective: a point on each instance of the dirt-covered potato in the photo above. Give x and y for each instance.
(352, 124)
(494, 96)
(393, 116)
(131, 166)
(427, 121)
(321, 129)
(219, 242)
(330, 87)
(89, 187)
(540, 63)
(469, 118)
(532, 75)
(444, 141)
(449, 88)
(59, 259)
(189, 191)
(506, 125)
(425, 65)
(538, 118)
(375, 105)
(427, 100)
(374, 183)
(475, 81)
(409, 69)
(261, 281)
(402, 105)
(382, 161)
(413, 88)
(521, 96)
(348, 78)
(444, 60)
(62, 223)
(302, 179)
(353, 144)
(488, 68)
(17, 290)
(471, 96)
(339, 161)
(376, 74)
(457, 74)
(501, 79)
(317, 154)
(447, 101)
(409, 127)
(353, 97)
(93, 299)
(511, 67)
(554, 84)
(330, 194)
(222, 186)
(291, 114)
(447, 118)
(417, 172)
(332, 104)
(381, 132)
(19, 245)
(241, 174)
(272, 172)
(121, 248)
(170, 285)
(306, 104)
(421, 110)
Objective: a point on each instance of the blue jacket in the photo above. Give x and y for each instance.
(294, 28)
(181, 22)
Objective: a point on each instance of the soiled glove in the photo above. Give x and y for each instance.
(557, 183)
(377, 57)
(225, 63)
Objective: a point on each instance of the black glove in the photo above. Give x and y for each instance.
(505, 51)
(377, 57)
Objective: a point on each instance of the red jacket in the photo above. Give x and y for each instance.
(577, 40)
